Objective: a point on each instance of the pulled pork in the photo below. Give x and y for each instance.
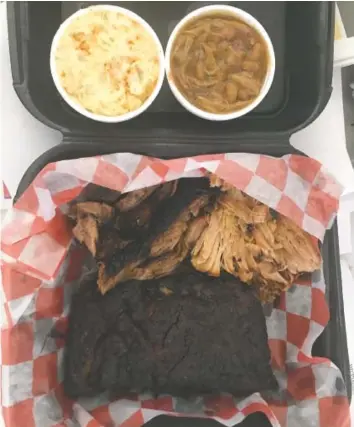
(165, 253)
(148, 233)
(244, 239)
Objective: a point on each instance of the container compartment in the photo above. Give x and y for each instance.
(302, 34)
(332, 343)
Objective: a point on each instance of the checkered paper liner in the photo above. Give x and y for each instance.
(5, 197)
(40, 269)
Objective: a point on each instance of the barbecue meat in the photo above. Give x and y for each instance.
(149, 232)
(160, 248)
(138, 208)
(134, 198)
(100, 211)
(134, 222)
(168, 259)
(106, 229)
(298, 252)
(88, 216)
(186, 334)
(244, 238)
(86, 232)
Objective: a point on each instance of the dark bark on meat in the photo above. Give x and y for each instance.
(139, 208)
(100, 211)
(130, 224)
(185, 334)
(146, 241)
(96, 193)
(168, 211)
(86, 232)
(131, 200)
(109, 241)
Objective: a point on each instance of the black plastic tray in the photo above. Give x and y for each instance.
(332, 343)
(302, 35)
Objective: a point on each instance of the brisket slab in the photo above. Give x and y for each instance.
(185, 334)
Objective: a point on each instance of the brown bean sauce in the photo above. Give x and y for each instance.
(219, 63)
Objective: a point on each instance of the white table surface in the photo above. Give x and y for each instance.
(23, 139)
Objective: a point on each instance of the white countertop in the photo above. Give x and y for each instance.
(23, 139)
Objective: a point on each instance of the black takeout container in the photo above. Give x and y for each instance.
(332, 343)
(302, 34)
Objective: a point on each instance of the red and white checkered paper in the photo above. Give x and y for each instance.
(41, 266)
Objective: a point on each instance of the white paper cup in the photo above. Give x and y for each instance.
(78, 107)
(242, 16)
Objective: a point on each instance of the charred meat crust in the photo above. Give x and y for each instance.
(131, 223)
(156, 232)
(165, 252)
(86, 232)
(186, 334)
(110, 229)
(168, 211)
(131, 200)
(100, 211)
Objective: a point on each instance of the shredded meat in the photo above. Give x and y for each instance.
(163, 248)
(106, 281)
(131, 223)
(195, 229)
(168, 262)
(151, 233)
(167, 251)
(86, 232)
(101, 211)
(168, 240)
(298, 251)
(134, 198)
(109, 241)
(245, 240)
(161, 266)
